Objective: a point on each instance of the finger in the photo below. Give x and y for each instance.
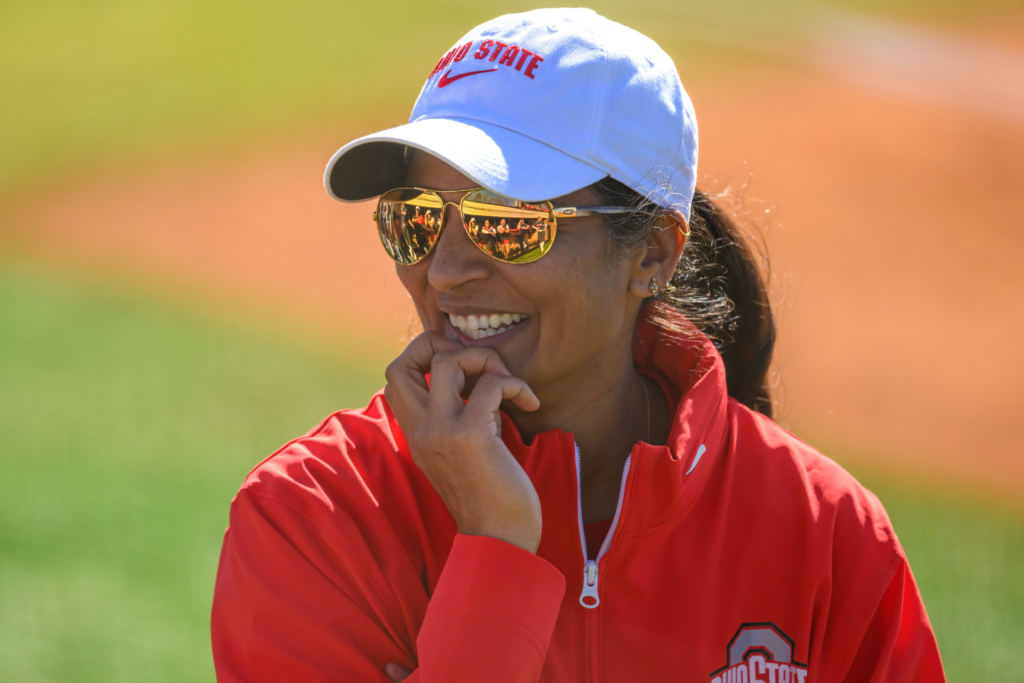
(449, 370)
(491, 390)
(406, 374)
(421, 350)
(396, 673)
(414, 362)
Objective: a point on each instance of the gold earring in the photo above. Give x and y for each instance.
(654, 286)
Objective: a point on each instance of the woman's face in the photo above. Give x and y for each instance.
(576, 304)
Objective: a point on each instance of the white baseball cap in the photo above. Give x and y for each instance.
(539, 104)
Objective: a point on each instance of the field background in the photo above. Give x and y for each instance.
(178, 296)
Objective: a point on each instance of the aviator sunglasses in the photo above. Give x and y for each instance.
(410, 219)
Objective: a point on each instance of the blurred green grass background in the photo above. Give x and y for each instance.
(128, 419)
(127, 423)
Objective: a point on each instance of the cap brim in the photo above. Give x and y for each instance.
(497, 158)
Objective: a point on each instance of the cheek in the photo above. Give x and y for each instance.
(594, 302)
(414, 279)
(582, 298)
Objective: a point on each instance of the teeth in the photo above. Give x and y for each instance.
(487, 325)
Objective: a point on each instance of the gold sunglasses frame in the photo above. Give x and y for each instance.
(554, 213)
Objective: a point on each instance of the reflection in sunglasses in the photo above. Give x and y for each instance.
(519, 241)
(409, 222)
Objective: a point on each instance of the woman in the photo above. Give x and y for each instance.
(504, 236)
(518, 230)
(488, 237)
(564, 479)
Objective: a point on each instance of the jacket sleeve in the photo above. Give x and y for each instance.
(289, 607)
(899, 644)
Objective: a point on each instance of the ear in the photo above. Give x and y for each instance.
(664, 249)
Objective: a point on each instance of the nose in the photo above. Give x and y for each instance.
(455, 261)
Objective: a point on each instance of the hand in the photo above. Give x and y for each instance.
(396, 673)
(458, 445)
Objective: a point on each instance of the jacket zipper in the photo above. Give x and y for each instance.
(590, 566)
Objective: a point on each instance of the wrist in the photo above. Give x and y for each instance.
(522, 537)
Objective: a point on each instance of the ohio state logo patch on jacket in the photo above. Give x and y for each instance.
(760, 653)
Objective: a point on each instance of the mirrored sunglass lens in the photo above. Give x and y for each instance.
(509, 230)
(408, 222)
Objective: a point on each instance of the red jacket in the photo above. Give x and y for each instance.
(739, 555)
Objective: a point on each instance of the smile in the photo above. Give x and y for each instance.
(486, 324)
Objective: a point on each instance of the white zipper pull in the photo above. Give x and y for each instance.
(590, 585)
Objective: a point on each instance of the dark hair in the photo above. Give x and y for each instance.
(717, 286)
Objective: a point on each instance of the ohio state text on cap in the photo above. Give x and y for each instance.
(537, 105)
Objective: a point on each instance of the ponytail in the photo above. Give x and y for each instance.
(717, 286)
(749, 341)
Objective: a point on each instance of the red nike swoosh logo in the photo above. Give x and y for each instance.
(445, 80)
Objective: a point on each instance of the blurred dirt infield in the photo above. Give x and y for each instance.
(896, 239)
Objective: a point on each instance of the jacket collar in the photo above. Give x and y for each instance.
(663, 481)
